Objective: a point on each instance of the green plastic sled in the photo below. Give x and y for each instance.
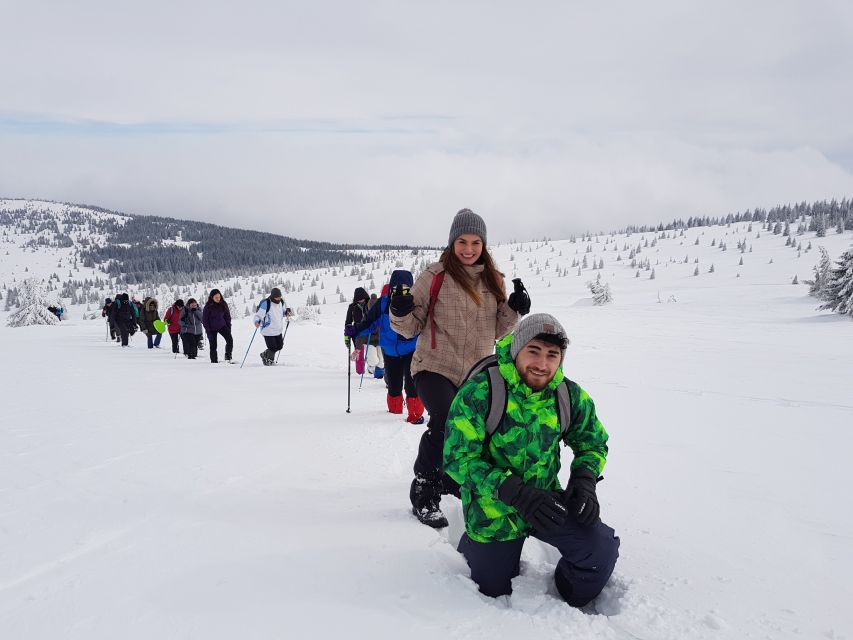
(160, 326)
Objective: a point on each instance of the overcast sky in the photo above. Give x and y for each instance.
(376, 121)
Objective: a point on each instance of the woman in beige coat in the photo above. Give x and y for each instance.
(459, 307)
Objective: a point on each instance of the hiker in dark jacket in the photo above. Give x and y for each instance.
(125, 316)
(192, 328)
(508, 468)
(150, 314)
(396, 349)
(173, 319)
(356, 313)
(106, 312)
(216, 318)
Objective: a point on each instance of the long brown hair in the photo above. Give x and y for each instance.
(493, 279)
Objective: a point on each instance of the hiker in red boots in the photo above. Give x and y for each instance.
(396, 349)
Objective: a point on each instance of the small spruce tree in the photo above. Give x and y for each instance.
(839, 292)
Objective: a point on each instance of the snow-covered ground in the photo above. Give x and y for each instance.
(147, 497)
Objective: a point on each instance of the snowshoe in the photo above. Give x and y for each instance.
(430, 515)
(266, 359)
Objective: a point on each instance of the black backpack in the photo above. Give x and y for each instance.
(498, 397)
(123, 311)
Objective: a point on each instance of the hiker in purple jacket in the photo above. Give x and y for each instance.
(216, 319)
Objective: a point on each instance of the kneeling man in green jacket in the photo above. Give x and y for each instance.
(510, 488)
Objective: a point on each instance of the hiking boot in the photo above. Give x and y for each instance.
(395, 403)
(425, 494)
(416, 410)
(430, 515)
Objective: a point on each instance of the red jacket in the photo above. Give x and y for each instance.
(173, 319)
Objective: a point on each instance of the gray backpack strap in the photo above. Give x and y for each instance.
(481, 366)
(564, 407)
(497, 396)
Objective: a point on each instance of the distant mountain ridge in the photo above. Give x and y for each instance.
(143, 248)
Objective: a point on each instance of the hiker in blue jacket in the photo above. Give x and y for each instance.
(396, 349)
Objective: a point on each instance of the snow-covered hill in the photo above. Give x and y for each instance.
(144, 496)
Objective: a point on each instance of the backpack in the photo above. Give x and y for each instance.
(498, 397)
(268, 300)
(434, 288)
(124, 311)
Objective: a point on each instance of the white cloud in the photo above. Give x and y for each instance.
(549, 119)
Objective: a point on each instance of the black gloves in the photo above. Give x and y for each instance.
(519, 301)
(542, 509)
(580, 497)
(402, 302)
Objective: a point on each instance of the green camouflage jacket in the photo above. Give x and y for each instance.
(526, 444)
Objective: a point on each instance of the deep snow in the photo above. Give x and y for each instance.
(147, 497)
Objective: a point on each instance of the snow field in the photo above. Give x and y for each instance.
(142, 496)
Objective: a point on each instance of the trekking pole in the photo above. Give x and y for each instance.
(282, 341)
(349, 377)
(249, 347)
(108, 330)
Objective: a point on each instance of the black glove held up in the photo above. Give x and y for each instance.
(401, 304)
(542, 509)
(519, 301)
(580, 497)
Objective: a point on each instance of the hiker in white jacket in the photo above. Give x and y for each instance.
(270, 319)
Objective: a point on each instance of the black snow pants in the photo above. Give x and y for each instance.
(229, 343)
(190, 342)
(398, 374)
(588, 557)
(436, 392)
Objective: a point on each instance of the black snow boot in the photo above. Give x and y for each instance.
(266, 358)
(430, 515)
(425, 495)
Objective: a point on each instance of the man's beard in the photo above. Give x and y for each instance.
(536, 383)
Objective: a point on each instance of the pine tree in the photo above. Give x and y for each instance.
(795, 281)
(601, 293)
(839, 291)
(820, 226)
(822, 275)
(32, 307)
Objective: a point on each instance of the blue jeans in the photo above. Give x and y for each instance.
(154, 342)
(588, 557)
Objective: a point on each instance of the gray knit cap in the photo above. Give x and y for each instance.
(466, 221)
(534, 325)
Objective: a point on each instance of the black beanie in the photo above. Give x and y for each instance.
(179, 303)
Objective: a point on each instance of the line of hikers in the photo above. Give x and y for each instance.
(499, 406)
(187, 324)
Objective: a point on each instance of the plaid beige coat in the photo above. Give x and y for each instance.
(464, 331)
